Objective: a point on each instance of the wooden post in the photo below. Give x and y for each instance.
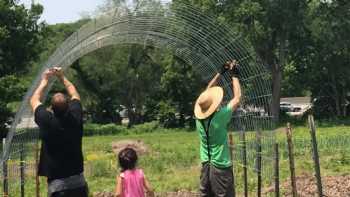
(277, 180)
(258, 160)
(244, 160)
(315, 155)
(21, 164)
(291, 160)
(37, 181)
(231, 151)
(5, 170)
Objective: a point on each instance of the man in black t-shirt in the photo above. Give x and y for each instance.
(61, 131)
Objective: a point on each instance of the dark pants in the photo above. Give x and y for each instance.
(77, 192)
(216, 182)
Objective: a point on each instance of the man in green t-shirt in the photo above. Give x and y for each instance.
(212, 123)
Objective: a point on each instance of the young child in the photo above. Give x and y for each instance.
(131, 182)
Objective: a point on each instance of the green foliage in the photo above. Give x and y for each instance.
(20, 33)
(11, 89)
(107, 129)
(113, 129)
(180, 85)
(167, 115)
(329, 74)
(174, 165)
(19, 36)
(148, 127)
(100, 168)
(304, 43)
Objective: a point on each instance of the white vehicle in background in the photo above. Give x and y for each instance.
(295, 106)
(286, 106)
(299, 110)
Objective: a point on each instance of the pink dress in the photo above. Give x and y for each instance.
(133, 182)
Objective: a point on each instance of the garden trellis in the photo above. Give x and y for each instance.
(198, 39)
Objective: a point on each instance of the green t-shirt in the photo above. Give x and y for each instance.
(218, 147)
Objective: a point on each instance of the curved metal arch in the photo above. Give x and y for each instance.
(193, 36)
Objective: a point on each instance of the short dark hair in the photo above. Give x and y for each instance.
(59, 103)
(127, 159)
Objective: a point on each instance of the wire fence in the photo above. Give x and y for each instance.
(191, 35)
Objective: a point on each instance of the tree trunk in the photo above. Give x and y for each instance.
(131, 116)
(277, 74)
(344, 102)
(276, 91)
(336, 96)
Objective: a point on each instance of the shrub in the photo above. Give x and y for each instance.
(146, 127)
(97, 129)
(100, 168)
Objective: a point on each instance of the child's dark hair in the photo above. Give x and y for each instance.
(127, 159)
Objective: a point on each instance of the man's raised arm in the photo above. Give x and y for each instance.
(71, 90)
(236, 86)
(38, 93)
(223, 69)
(214, 81)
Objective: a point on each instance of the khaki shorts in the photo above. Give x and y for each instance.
(216, 182)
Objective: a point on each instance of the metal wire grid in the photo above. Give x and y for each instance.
(193, 36)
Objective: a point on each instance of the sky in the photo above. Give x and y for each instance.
(65, 11)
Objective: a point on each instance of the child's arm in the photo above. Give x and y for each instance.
(118, 187)
(149, 190)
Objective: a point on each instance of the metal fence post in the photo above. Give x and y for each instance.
(5, 170)
(37, 181)
(258, 160)
(22, 166)
(244, 160)
(291, 160)
(231, 151)
(277, 181)
(315, 155)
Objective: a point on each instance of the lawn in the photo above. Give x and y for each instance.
(173, 164)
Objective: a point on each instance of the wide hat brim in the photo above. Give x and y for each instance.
(216, 94)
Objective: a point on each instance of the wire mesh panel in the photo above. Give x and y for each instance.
(191, 35)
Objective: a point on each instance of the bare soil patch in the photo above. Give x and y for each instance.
(139, 146)
(165, 194)
(333, 186)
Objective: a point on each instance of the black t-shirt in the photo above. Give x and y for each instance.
(61, 150)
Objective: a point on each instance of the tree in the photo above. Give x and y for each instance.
(274, 28)
(180, 85)
(19, 46)
(329, 74)
(119, 75)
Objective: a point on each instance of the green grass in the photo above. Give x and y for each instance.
(173, 162)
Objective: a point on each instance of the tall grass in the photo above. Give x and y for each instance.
(173, 163)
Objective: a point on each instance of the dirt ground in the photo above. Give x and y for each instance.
(333, 186)
(139, 146)
(167, 194)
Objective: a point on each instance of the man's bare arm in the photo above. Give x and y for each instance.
(71, 90)
(236, 86)
(234, 103)
(223, 69)
(214, 81)
(38, 93)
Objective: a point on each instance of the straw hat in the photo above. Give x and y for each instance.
(208, 102)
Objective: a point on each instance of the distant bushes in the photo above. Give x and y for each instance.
(99, 129)
(113, 129)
